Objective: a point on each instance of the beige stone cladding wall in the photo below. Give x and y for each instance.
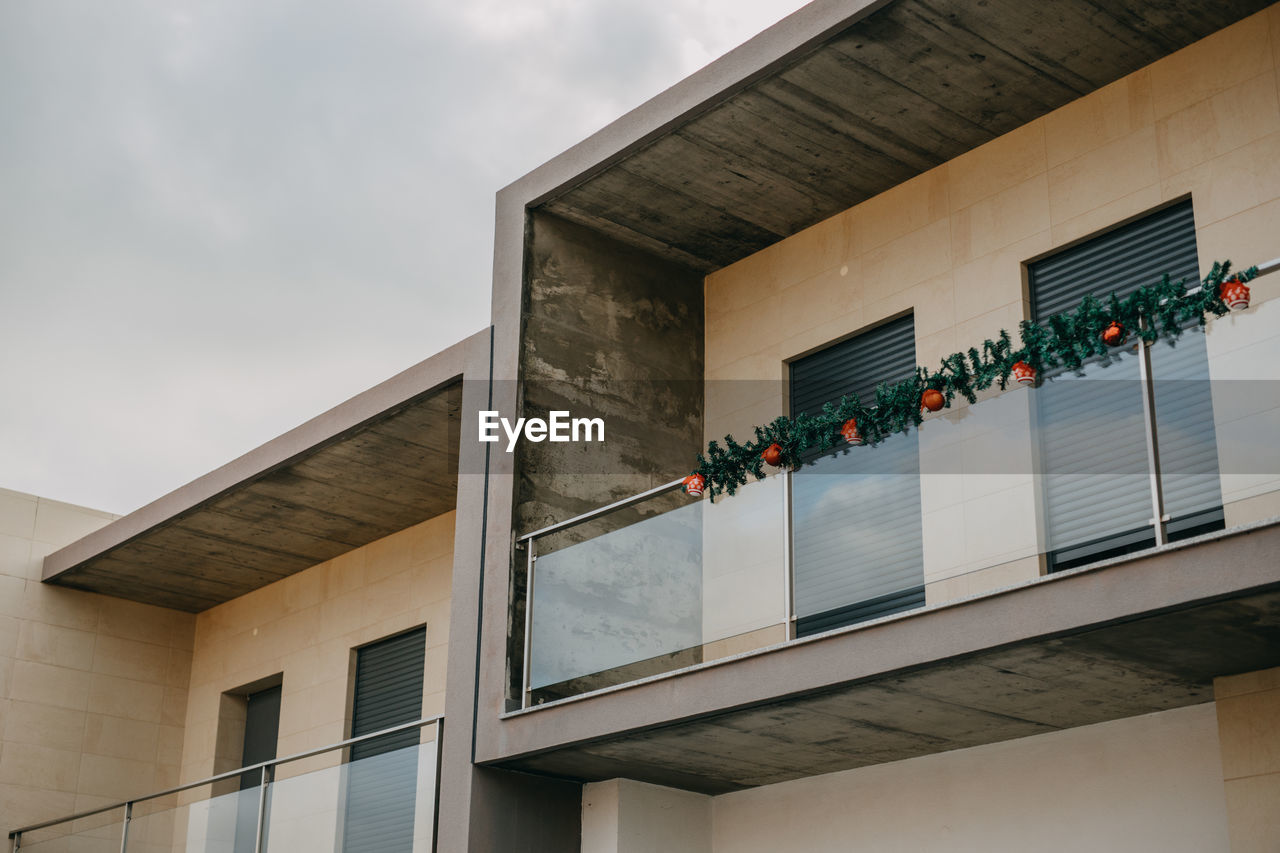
(626, 816)
(950, 246)
(92, 689)
(305, 628)
(1249, 730)
(1149, 783)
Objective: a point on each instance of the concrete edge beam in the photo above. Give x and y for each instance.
(1054, 606)
(440, 370)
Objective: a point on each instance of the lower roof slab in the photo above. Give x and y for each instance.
(380, 462)
(1155, 662)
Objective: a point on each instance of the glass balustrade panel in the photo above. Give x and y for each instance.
(98, 833)
(667, 583)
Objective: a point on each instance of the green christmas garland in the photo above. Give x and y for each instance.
(1066, 340)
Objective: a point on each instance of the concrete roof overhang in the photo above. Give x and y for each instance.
(841, 101)
(375, 464)
(1139, 635)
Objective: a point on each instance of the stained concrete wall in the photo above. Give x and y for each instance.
(608, 331)
(93, 690)
(1150, 783)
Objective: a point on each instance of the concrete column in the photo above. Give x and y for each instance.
(624, 816)
(1249, 732)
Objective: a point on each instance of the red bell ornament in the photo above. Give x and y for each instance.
(694, 484)
(773, 454)
(1114, 335)
(932, 400)
(1236, 294)
(1024, 373)
(850, 432)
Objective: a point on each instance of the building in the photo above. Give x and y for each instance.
(1049, 619)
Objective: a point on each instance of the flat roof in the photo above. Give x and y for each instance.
(840, 101)
(375, 464)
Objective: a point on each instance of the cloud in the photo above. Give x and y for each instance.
(220, 219)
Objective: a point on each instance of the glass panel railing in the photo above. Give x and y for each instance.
(657, 585)
(1244, 383)
(318, 800)
(857, 535)
(1147, 446)
(98, 833)
(216, 818)
(1090, 433)
(1186, 437)
(980, 503)
(382, 802)
(1102, 462)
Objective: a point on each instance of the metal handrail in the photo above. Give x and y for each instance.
(587, 516)
(232, 774)
(526, 541)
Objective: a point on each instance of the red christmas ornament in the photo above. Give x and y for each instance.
(1236, 294)
(932, 400)
(850, 432)
(1023, 372)
(773, 454)
(1114, 335)
(693, 485)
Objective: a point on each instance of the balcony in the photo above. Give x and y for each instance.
(363, 793)
(1086, 471)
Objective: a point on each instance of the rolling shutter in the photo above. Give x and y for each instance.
(1122, 260)
(857, 541)
(1188, 442)
(1093, 454)
(1093, 438)
(382, 776)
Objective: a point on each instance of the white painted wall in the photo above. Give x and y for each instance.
(624, 816)
(1150, 783)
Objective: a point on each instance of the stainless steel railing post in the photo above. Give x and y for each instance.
(124, 829)
(528, 623)
(788, 562)
(260, 834)
(269, 766)
(1158, 517)
(435, 806)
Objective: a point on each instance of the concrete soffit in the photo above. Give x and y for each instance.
(375, 464)
(840, 102)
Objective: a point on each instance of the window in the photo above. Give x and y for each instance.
(858, 549)
(248, 728)
(261, 730)
(1127, 444)
(382, 776)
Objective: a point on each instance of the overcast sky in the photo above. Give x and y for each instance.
(219, 219)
